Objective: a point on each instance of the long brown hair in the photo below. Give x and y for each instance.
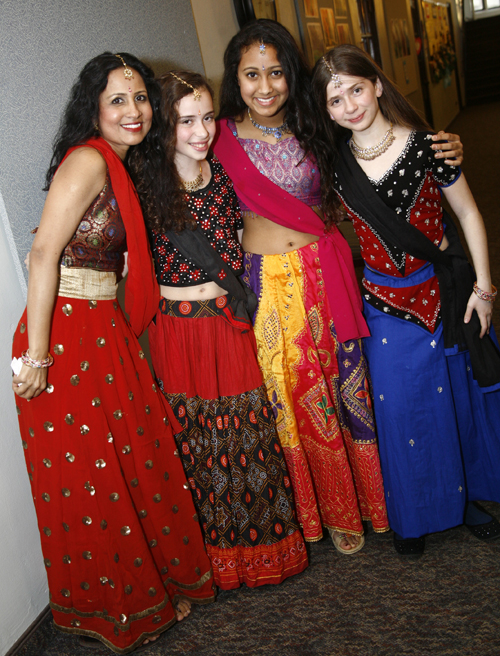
(351, 60)
(158, 182)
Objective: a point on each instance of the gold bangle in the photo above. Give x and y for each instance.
(485, 296)
(36, 364)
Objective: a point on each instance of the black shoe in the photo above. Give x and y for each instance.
(410, 546)
(488, 531)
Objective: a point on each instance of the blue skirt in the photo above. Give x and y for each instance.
(439, 433)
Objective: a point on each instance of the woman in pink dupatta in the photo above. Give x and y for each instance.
(308, 323)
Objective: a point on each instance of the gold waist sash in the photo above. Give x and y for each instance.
(87, 283)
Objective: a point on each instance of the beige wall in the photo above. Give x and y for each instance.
(216, 24)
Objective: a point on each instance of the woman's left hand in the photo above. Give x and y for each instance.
(453, 150)
(484, 311)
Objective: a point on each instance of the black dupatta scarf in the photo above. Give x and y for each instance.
(194, 246)
(454, 273)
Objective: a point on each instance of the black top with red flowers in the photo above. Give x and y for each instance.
(216, 209)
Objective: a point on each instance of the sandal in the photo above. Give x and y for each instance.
(337, 539)
(410, 546)
(488, 531)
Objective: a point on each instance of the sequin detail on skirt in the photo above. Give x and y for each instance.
(113, 480)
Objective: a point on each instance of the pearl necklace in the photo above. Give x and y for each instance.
(373, 151)
(277, 133)
(194, 185)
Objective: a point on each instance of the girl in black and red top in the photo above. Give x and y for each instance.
(432, 352)
(205, 359)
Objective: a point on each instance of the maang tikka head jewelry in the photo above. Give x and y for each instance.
(126, 71)
(262, 48)
(337, 82)
(196, 93)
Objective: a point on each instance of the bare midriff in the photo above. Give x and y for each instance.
(203, 292)
(264, 237)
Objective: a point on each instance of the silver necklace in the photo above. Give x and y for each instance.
(277, 133)
(373, 151)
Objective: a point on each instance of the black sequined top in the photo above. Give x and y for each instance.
(216, 209)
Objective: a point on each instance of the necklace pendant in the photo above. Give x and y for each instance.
(277, 133)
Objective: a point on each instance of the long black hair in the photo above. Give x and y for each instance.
(82, 111)
(299, 109)
(351, 60)
(157, 180)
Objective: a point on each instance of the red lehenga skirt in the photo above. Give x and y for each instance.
(120, 535)
(232, 457)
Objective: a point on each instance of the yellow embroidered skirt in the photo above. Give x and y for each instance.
(320, 394)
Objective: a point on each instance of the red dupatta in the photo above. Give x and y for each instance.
(142, 293)
(267, 199)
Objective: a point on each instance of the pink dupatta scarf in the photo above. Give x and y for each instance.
(142, 294)
(267, 199)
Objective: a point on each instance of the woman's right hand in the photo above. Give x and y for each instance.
(30, 382)
(484, 311)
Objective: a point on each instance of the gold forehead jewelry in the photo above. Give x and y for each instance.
(337, 82)
(262, 48)
(126, 71)
(196, 93)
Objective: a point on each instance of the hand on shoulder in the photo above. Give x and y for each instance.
(452, 148)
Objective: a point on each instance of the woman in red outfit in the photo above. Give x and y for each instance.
(204, 354)
(119, 532)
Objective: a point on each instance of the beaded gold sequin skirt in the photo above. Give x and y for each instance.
(120, 535)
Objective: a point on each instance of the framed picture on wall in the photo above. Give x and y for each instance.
(340, 8)
(343, 33)
(248, 10)
(400, 36)
(328, 22)
(316, 40)
(311, 8)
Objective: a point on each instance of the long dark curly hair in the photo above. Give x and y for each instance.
(82, 110)
(157, 180)
(299, 108)
(351, 60)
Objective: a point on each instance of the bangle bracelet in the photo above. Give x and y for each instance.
(485, 296)
(36, 364)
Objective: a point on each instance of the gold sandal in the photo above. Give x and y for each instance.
(337, 539)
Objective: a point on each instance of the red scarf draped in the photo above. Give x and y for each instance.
(267, 199)
(142, 293)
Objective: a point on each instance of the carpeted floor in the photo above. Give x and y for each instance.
(373, 603)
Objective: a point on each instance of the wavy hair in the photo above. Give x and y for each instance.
(82, 111)
(351, 60)
(157, 180)
(299, 108)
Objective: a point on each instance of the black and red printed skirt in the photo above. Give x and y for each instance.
(234, 463)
